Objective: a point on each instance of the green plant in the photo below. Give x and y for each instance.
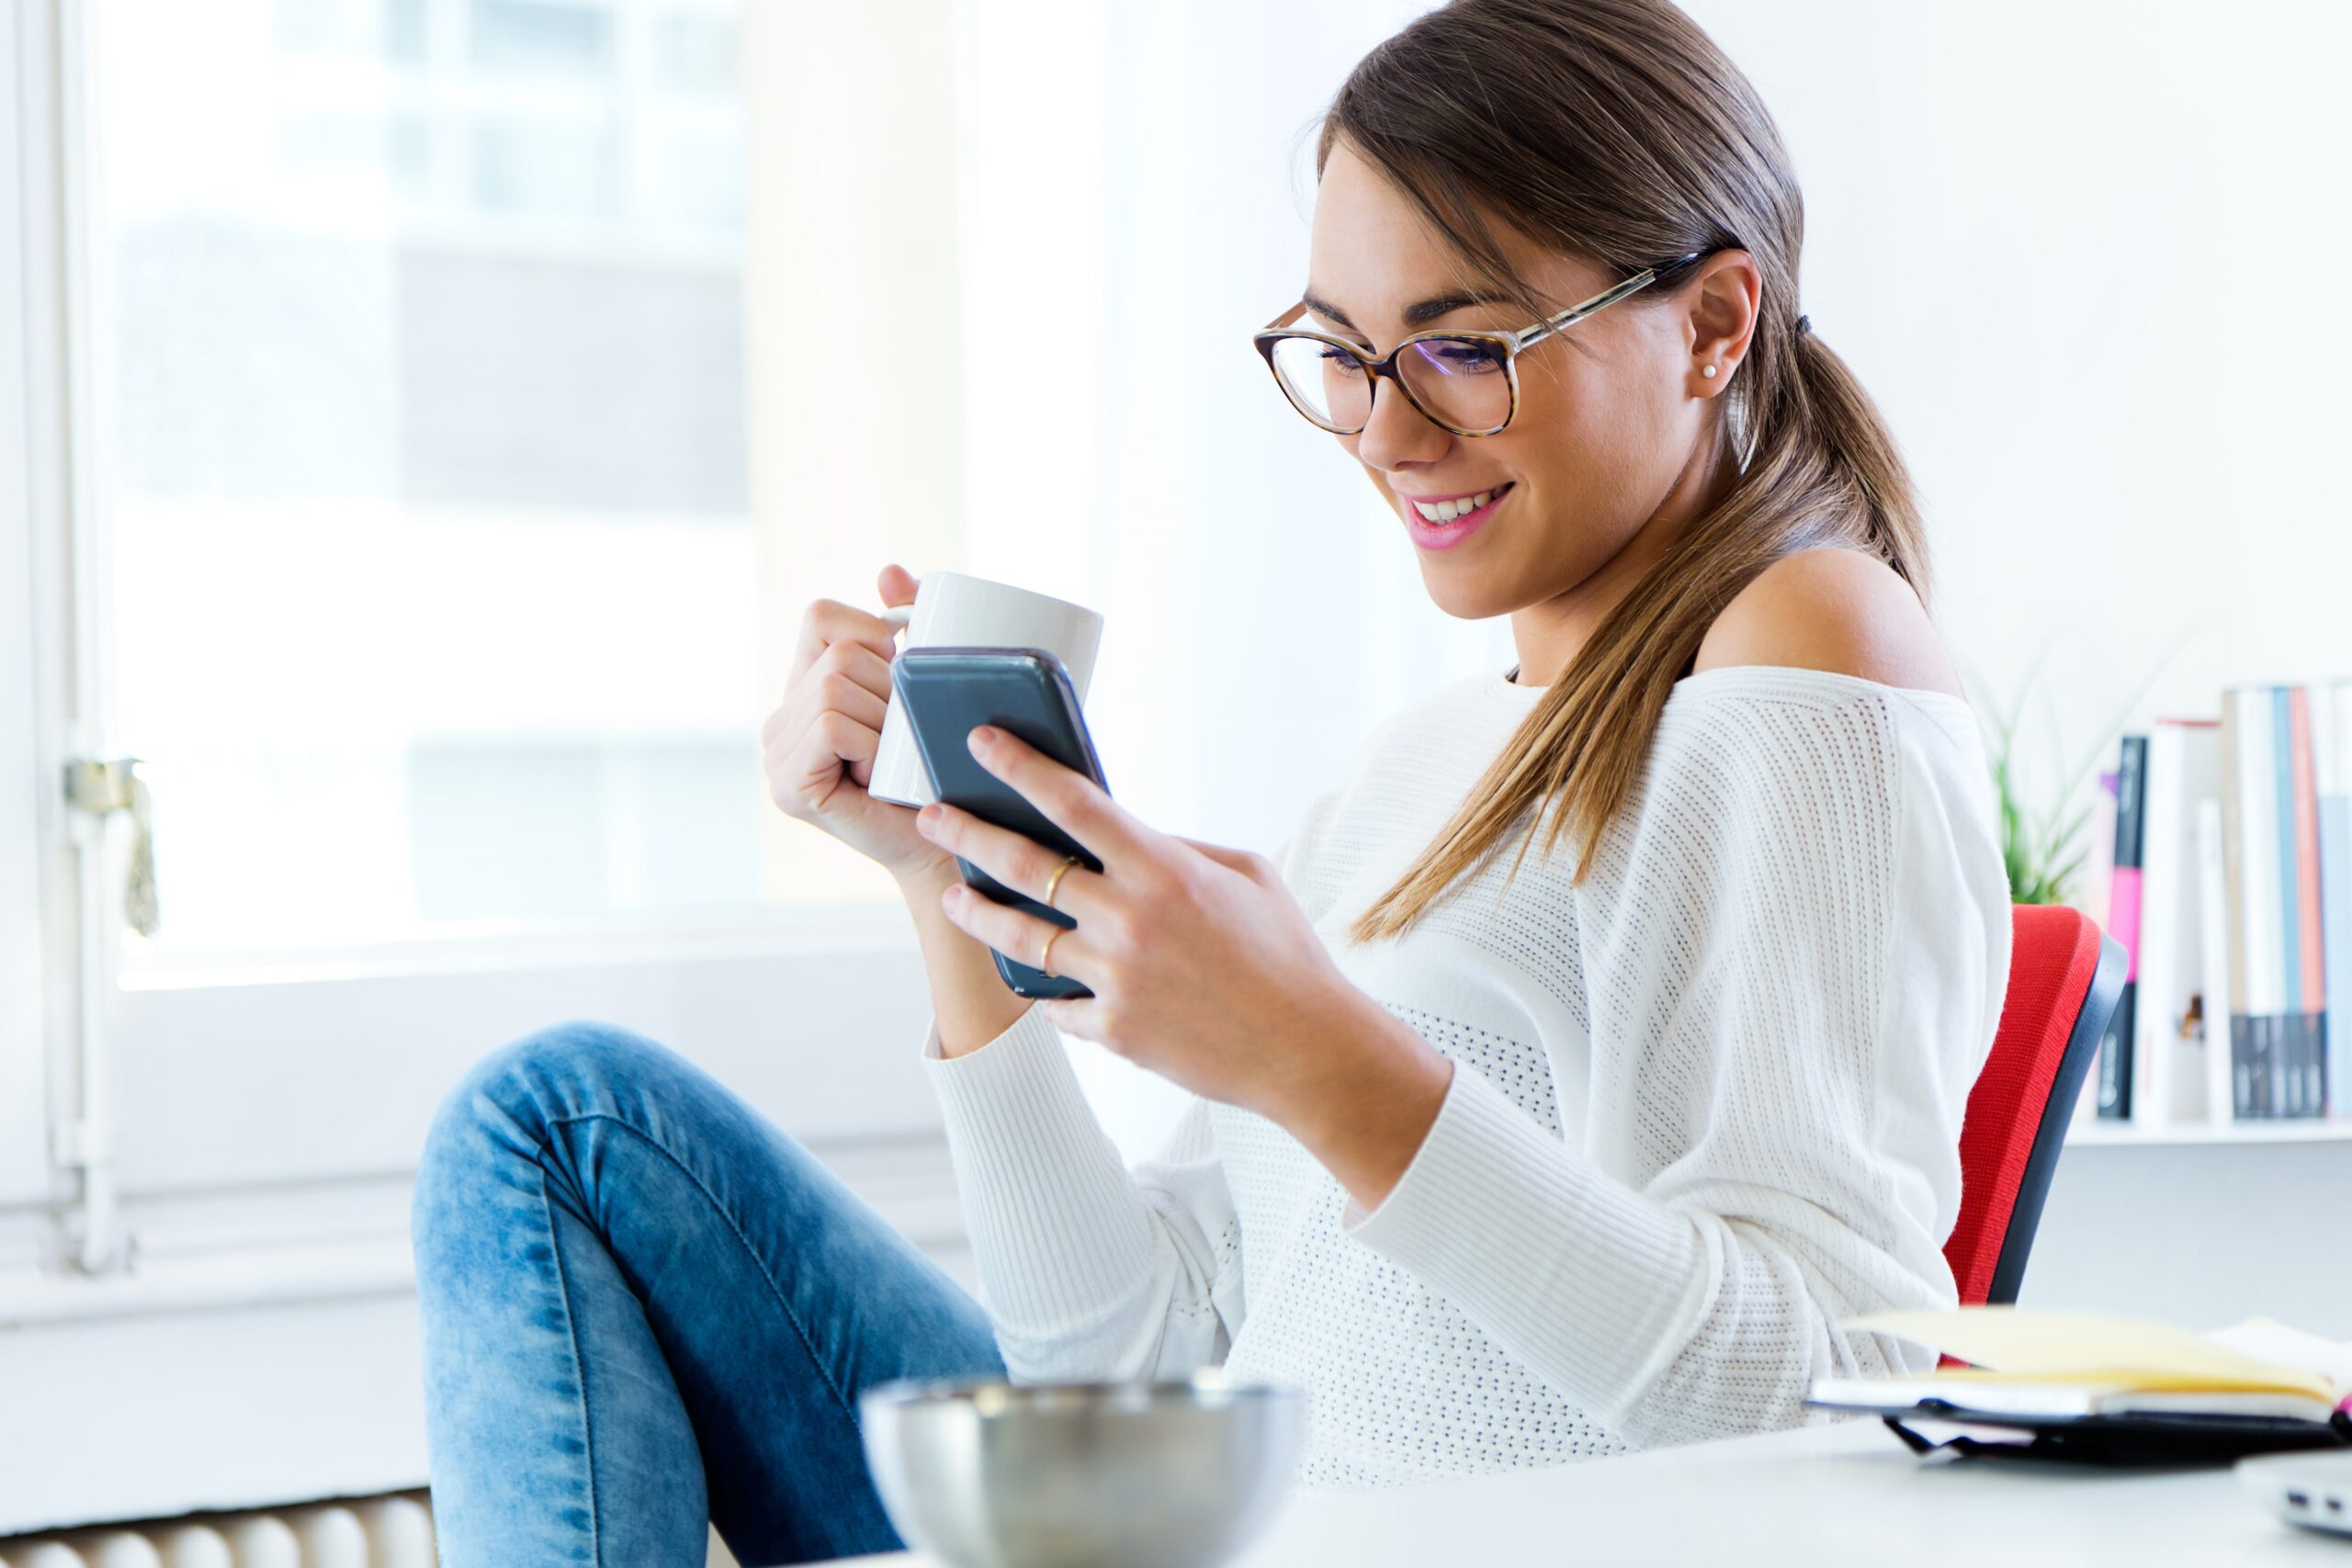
(2032, 842)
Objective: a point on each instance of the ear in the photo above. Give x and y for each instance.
(1723, 298)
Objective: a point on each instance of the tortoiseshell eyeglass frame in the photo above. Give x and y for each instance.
(1506, 346)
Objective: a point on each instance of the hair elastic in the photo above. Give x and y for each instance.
(1805, 325)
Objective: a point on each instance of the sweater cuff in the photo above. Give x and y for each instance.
(1002, 1095)
(1054, 1222)
(1565, 1267)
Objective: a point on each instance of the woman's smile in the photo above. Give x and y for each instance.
(1455, 517)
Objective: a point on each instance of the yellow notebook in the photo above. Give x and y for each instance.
(2106, 1365)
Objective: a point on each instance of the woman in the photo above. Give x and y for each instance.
(1509, 1159)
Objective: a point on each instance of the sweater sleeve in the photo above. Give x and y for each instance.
(1788, 1000)
(1089, 1271)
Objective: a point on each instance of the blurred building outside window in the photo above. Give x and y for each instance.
(422, 410)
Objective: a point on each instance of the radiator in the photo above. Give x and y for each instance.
(375, 1532)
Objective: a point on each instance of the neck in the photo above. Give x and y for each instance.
(1551, 633)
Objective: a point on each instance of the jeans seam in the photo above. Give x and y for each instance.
(578, 1363)
(783, 1304)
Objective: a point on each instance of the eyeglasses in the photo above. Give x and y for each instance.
(1464, 382)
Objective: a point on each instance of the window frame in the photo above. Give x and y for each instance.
(257, 1076)
(39, 1006)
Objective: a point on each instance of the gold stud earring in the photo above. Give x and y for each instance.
(1707, 371)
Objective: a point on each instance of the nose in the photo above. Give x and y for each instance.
(1395, 433)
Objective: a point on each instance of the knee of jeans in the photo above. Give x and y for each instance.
(506, 1104)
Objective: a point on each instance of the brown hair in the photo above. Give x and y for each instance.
(1616, 130)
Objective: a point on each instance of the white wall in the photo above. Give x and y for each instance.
(2199, 1234)
(2078, 251)
(849, 193)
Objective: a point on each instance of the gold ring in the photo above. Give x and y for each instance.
(1044, 953)
(1056, 881)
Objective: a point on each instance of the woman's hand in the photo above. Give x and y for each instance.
(1204, 967)
(821, 741)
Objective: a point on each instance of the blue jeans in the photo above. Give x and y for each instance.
(647, 1309)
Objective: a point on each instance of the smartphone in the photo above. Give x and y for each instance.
(949, 693)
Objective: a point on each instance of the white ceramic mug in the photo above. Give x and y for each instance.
(953, 610)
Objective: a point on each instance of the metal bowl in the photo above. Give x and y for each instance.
(1061, 1475)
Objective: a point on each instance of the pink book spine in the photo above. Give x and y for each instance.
(2123, 916)
(2315, 997)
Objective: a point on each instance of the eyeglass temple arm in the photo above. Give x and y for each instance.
(1607, 296)
(1568, 317)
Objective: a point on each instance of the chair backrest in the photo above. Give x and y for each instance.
(2065, 975)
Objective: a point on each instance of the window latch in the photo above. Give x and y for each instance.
(112, 787)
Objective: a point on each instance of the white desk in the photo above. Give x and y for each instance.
(1843, 1493)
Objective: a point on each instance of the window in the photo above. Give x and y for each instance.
(423, 411)
(386, 437)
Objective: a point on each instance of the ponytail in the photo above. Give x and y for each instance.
(1858, 450)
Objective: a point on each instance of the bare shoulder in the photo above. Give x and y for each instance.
(1834, 609)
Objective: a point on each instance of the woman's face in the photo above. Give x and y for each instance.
(1615, 425)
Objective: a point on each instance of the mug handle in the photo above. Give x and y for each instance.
(899, 615)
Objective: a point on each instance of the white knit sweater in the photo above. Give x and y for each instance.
(1705, 1105)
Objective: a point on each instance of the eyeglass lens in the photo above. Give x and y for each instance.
(1460, 382)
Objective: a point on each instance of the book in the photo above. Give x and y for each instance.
(2091, 895)
(2027, 1344)
(2260, 1381)
(2213, 999)
(2182, 768)
(2299, 900)
(2257, 941)
(2098, 851)
(2123, 924)
(2234, 902)
(1989, 1396)
(2286, 833)
(2332, 783)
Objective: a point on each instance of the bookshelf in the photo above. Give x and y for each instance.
(2230, 888)
(2122, 1135)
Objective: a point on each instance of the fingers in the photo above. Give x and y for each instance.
(828, 621)
(845, 694)
(840, 674)
(830, 716)
(804, 771)
(860, 664)
(1020, 935)
(898, 584)
(1069, 800)
(848, 686)
(1017, 860)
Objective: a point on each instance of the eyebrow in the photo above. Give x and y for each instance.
(1416, 316)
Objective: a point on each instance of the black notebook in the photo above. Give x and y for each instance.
(2117, 1437)
(2107, 1390)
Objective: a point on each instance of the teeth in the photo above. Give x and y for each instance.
(1447, 511)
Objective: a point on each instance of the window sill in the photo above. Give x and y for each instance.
(809, 930)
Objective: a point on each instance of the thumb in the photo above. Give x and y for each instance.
(898, 584)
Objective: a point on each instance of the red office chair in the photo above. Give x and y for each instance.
(2064, 977)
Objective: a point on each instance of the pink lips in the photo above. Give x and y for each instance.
(1445, 535)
